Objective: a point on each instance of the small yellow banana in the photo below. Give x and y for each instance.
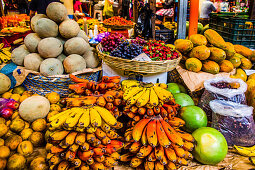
(84, 121)
(95, 118)
(144, 99)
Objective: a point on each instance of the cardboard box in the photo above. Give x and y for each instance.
(148, 78)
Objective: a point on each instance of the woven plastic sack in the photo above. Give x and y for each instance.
(227, 94)
(234, 121)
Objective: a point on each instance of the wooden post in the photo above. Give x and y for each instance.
(182, 15)
(135, 11)
(69, 6)
(153, 8)
(252, 9)
(193, 19)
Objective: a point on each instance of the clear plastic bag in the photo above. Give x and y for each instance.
(228, 94)
(234, 121)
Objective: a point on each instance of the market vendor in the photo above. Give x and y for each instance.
(206, 8)
(39, 6)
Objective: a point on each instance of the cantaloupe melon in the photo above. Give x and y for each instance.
(56, 12)
(34, 107)
(83, 35)
(51, 67)
(31, 42)
(61, 57)
(50, 47)
(69, 29)
(18, 55)
(33, 61)
(91, 58)
(76, 45)
(35, 19)
(73, 63)
(45, 27)
(5, 83)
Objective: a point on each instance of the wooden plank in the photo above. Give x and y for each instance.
(153, 8)
(135, 11)
(252, 9)
(182, 15)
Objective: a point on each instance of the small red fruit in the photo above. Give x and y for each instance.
(6, 113)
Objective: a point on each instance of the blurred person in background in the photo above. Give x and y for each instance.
(39, 6)
(224, 6)
(108, 9)
(77, 6)
(207, 8)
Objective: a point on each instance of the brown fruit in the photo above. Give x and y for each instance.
(25, 148)
(26, 133)
(16, 162)
(17, 125)
(39, 125)
(4, 152)
(3, 163)
(3, 130)
(37, 138)
(13, 141)
(38, 163)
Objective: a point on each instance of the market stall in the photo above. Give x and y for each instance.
(116, 94)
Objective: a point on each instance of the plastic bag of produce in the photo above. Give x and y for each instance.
(234, 121)
(99, 37)
(222, 88)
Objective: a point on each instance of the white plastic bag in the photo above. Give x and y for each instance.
(234, 121)
(228, 94)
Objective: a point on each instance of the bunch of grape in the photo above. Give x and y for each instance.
(127, 50)
(222, 85)
(138, 41)
(112, 41)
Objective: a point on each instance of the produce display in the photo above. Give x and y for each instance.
(20, 20)
(112, 41)
(5, 54)
(210, 53)
(91, 25)
(58, 46)
(117, 21)
(127, 51)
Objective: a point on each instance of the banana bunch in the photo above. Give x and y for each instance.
(80, 150)
(81, 119)
(166, 110)
(153, 142)
(245, 151)
(5, 53)
(145, 94)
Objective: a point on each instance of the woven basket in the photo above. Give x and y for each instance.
(117, 27)
(138, 66)
(42, 85)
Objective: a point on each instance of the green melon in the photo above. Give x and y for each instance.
(183, 99)
(73, 63)
(76, 45)
(5, 83)
(91, 58)
(51, 67)
(33, 61)
(45, 27)
(35, 19)
(50, 47)
(69, 29)
(56, 12)
(31, 41)
(18, 55)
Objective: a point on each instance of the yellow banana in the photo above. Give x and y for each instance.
(59, 135)
(91, 129)
(80, 138)
(135, 147)
(133, 99)
(95, 118)
(153, 98)
(144, 151)
(74, 147)
(76, 162)
(106, 140)
(84, 121)
(115, 155)
(131, 92)
(54, 160)
(106, 115)
(135, 162)
(144, 99)
(70, 138)
(84, 146)
(109, 161)
(61, 114)
(112, 134)
(58, 122)
(163, 94)
(126, 157)
(244, 151)
(73, 120)
(105, 127)
(148, 165)
(100, 133)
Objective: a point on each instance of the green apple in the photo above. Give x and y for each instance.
(183, 99)
(173, 88)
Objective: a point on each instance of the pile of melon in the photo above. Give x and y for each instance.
(57, 46)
